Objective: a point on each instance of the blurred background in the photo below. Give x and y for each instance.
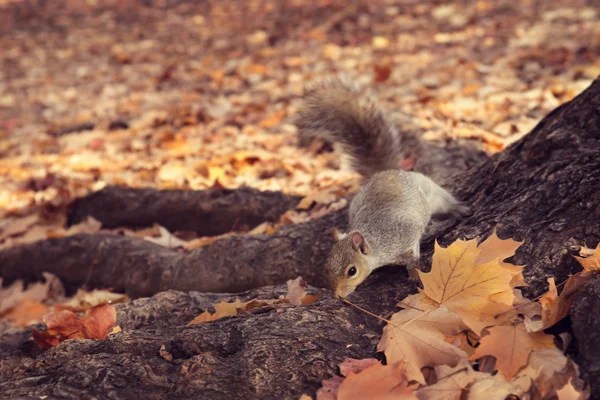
(200, 94)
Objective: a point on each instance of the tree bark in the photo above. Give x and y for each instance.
(207, 212)
(543, 190)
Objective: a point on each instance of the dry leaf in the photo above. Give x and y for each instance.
(568, 392)
(494, 248)
(511, 345)
(18, 226)
(323, 197)
(224, 309)
(89, 225)
(329, 388)
(27, 312)
(62, 325)
(352, 365)
(592, 260)
(456, 282)
(555, 307)
(11, 296)
(297, 294)
(452, 382)
(83, 300)
(377, 382)
(115, 330)
(419, 338)
(166, 239)
(492, 387)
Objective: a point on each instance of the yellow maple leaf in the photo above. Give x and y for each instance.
(378, 382)
(224, 309)
(494, 248)
(511, 345)
(592, 261)
(458, 283)
(419, 338)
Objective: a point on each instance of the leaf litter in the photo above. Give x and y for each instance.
(470, 320)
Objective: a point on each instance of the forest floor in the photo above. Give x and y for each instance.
(194, 95)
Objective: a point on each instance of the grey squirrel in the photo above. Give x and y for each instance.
(389, 213)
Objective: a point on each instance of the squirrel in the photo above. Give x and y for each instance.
(390, 211)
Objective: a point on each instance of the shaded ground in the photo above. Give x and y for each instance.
(206, 88)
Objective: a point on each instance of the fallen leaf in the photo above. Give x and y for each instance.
(377, 382)
(494, 248)
(166, 239)
(62, 325)
(592, 261)
(11, 296)
(555, 307)
(224, 309)
(352, 365)
(25, 313)
(164, 353)
(382, 72)
(17, 226)
(115, 330)
(511, 345)
(452, 382)
(83, 300)
(329, 388)
(568, 392)
(458, 283)
(89, 225)
(322, 197)
(297, 294)
(419, 338)
(296, 290)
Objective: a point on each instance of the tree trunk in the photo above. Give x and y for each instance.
(543, 190)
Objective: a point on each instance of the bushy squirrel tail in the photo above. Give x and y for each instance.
(336, 113)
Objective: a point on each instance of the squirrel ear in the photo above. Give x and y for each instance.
(359, 243)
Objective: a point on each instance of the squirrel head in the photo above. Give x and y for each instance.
(348, 265)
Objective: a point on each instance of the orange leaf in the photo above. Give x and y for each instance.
(511, 345)
(378, 382)
(62, 325)
(592, 261)
(26, 312)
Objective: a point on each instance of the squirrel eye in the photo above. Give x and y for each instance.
(352, 271)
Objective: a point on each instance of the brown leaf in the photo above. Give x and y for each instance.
(297, 294)
(457, 282)
(166, 239)
(555, 307)
(382, 72)
(62, 325)
(419, 338)
(511, 345)
(13, 295)
(83, 301)
(224, 309)
(592, 260)
(377, 382)
(25, 313)
(352, 365)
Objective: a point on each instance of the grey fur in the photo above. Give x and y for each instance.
(392, 209)
(334, 111)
